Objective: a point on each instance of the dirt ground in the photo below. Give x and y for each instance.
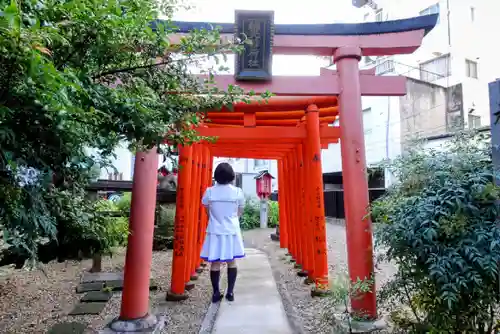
(33, 301)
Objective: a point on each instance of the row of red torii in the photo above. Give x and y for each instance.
(292, 127)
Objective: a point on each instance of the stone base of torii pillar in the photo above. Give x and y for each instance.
(148, 324)
(276, 236)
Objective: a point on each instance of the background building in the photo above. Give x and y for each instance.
(447, 87)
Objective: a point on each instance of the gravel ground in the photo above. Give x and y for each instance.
(312, 314)
(32, 302)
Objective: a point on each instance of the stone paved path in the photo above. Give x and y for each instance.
(257, 307)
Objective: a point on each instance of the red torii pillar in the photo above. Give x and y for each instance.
(180, 254)
(317, 207)
(134, 313)
(282, 207)
(356, 200)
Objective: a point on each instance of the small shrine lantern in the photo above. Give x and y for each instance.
(263, 184)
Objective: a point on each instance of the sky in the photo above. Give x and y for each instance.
(285, 12)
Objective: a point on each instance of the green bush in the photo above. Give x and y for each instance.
(164, 222)
(273, 214)
(164, 227)
(109, 232)
(123, 205)
(440, 226)
(250, 218)
(100, 234)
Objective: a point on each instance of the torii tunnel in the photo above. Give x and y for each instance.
(292, 128)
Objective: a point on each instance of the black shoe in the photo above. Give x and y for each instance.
(230, 297)
(217, 297)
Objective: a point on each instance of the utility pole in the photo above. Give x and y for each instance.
(448, 21)
(494, 91)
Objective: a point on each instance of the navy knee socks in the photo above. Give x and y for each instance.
(215, 278)
(231, 281)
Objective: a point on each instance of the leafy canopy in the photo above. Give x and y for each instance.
(77, 75)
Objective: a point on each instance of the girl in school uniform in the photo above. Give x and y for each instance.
(223, 242)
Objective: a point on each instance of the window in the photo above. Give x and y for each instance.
(434, 9)
(366, 17)
(379, 15)
(474, 121)
(471, 68)
(472, 14)
(435, 69)
(238, 180)
(384, 66)
(259, 163)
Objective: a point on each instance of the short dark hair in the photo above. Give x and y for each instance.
(224, 173)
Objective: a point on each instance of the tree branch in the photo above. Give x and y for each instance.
(134, 68)
(410, 303)
(130, 69)
(78, 47)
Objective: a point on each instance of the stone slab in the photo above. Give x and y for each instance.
(86, 287)
(101, 277)
(96, 296)
(88, 308)
(68, 328)
(117, 285)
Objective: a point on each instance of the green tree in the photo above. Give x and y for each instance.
(439, 224)
(80, 76)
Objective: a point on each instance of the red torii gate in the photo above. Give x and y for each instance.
(299, 99)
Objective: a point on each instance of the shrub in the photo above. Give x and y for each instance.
(250, 218)
(110, 232)
(273, 214)
(123, 204)
(439, 225)
(99, 234)
(164, 227)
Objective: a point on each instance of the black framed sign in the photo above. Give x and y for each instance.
(257, 28)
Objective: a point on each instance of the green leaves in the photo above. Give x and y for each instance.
(439, 225)
(83, 74)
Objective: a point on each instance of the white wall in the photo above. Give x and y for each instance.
(382, 134)
(239, 165)
(249, 185)
(248, 170)
(437, 144)
(122, 162)
(467, 33)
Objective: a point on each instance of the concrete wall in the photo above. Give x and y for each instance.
(422, 110)
(249, 186)
(459, 33)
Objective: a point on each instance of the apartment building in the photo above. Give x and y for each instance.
(447, 87)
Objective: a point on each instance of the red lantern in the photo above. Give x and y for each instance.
(263, 184)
